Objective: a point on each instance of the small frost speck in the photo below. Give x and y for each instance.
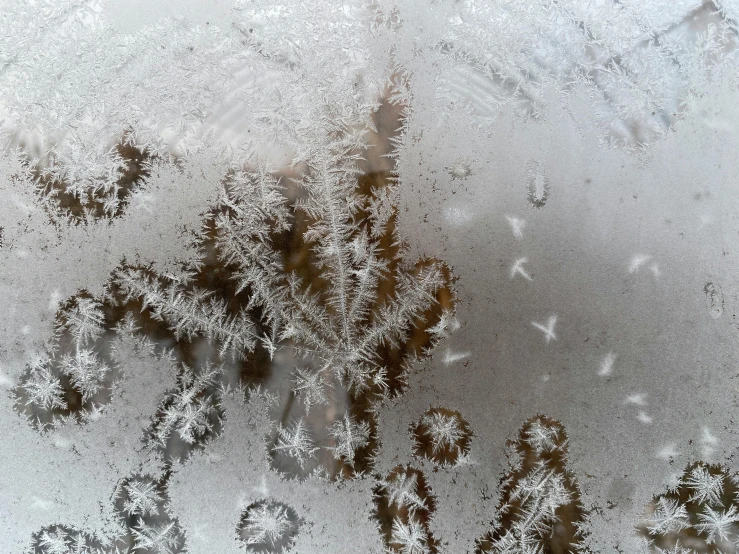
(459, 170)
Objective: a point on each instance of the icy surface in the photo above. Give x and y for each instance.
(304, 276)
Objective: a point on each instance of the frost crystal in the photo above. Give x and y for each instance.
(403, 506)
(160, 539)
(189, 411)
(44, 389)
(143, 499)
(668, 517)
(349, 436)
(443, 436)
(268, 526)
(233, 233)
(536, 494)
(409, 538)
(296, 442)
(700, 510)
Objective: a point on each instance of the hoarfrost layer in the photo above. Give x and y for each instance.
(287, 277)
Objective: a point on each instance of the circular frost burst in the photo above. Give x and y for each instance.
(268, 526)
(443, 436)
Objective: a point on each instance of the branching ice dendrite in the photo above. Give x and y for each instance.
(535, 495)
(445, 430)
(707, 488)
(44, 389)
(401, 489)
(142, 497)
(160, 539)
(86, 372)
(310, 387)
(443, 436)
(296, 441)
(669, 517)
(266, 523)
(268, 526)
(409, 538)
(188, 411)
(350, 436)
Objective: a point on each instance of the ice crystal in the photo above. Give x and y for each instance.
(142, 498)
(540, 506)
(251, 208)
(403, 506)
(700, 511)
(296, 442)
(350, 436)
(57, 539)
(269, 527)
(442, 435)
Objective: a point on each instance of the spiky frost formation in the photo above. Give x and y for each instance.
(350, 436)
(75, 378)
(443, 436)
(147, 527)
(75, 90)
(699, 513)
(403, 508)
(295, 441)
(308, 266)
(268, 527)
(140, 497)
(141, 503)
(353, 311)
(188, 416)
(105, 195)
(540, 508)
(61, 539)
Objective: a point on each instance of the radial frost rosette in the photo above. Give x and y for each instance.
(442, 436)
(268, 527)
